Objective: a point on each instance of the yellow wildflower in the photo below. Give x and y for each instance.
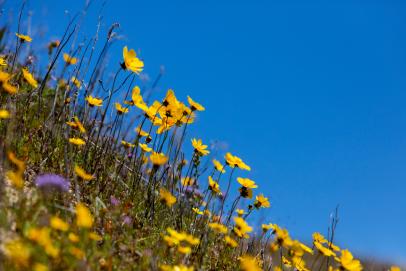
(127, 144)
(218, 166)
(77, 252)
(131, 61)
(29, 78)
(4, 114)
(167, 197)
(120, 109)
(76, 82)
(9, 88)
(348, 262)
(184, 249)
(240, 212)
(73, 237)
(83, 174)
(230, 241)
(3, 62)
(24, 38)
(158, 159)
(241, 228)
(94, 236)
(94, 101)
(261, 201)
(84, 218)
(17, 252)
(40, 267)
(77, 141)
(58, 224)
(249, 263)
(194, 105)
(197, 211)
(145, 147)
(235, 161)
(199, 147)
(219, 228)
(214, 186)
(70, 60)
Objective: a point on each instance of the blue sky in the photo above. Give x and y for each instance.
(311, 94)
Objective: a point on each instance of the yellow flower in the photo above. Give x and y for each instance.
(94, 236)
(158, 159)
(348, 262)
(4, 114)
(9, 88)
(241, 228)
(77, 252)
(24, 38)
(286, 262)
(40, 267)
(247, 183)
(58, 224)
(214, 186)
(219, 228)
(318, 237)
(267, 227)
(166, 197)
(218, 166)
(333, 246)
(70, 60)
(4, 76)
(323, 250)
(127, 144)
(145, 147)
(131, 61)
(84, 218)
(15, 178)
(199, 147)
(136, 95)
(230, 241)
(76, 82)
(73, 237)
(79, 125)
(3, 62)
(235, 161)
(261, 201)
(42, 236)
(240, 212)
(83, 174)
(194, 105)
(197, 211)
(249, 263)
(77, 141)
(184, 249)
(181, 267)
(395, 268)
(187, 181)
(94, 101)
(20, 164)
(29, 78)
(142, 133)
(282, 237)
(120, 109)
(18, 252)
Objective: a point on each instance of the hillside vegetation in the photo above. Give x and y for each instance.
(95, 174)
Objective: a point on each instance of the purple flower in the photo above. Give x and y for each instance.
(52, 181)
(127, 220)
(114, 201)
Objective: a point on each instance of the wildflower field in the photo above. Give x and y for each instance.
(95, 174)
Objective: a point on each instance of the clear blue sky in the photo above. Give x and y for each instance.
(312, 95)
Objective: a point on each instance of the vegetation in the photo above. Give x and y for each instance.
(94, 176)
